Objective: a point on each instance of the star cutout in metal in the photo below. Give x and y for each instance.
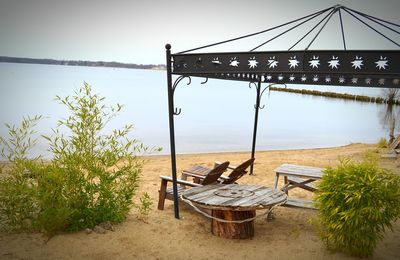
(368, 81)
(357, 62)
(252, 63)
(328, 79)
(272, 63)
(234, 62)
(292, 77)
(314, 62)
(303, 78)
(293, 62)
(216, 61)
(334, 62)
(382, 63)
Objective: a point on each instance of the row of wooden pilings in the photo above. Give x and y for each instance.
(378, 100)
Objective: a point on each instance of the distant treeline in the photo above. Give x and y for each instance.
(361, 98)
(82, 63)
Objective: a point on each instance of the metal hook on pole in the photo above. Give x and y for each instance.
(177, 111)
(259, 94)
(178, 80)
(260, 107)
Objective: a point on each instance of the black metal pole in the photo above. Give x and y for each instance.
(341, 26)
(257, 107)
(172, 129)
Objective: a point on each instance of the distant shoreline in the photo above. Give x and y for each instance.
(111, 64)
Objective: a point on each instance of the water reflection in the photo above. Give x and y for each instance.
(389, 115)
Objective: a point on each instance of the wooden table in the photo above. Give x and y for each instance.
(298, 176)
(234, 202)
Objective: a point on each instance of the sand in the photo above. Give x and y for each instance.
(291, 235)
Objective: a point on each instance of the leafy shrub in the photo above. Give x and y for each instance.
(92, 178)
(357, 202)
(145, 206)
(18, 206)
(100, 172)
(382, 143)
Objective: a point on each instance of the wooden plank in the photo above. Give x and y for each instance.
(200, 192)
(240, 203)
(249, 197)
(389, 156)
(261, 198)
(229, 202)
(297, 182)
(300, 171)
(395, 144)
(191, 184)
(231, 166)
(299, 168)
(209, 197)
(180, 190)
(300, 203)
(198, 169)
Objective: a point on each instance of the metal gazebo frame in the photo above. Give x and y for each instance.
(359, 68)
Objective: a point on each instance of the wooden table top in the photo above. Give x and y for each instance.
(198, 169)
(300, 171)
(234, 197)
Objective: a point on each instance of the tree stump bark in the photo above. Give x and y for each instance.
(243, 230)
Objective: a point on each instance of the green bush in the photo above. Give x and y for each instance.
(357, 202)
(18, 206)
(92, 178)
(146, 204)
(382, 143)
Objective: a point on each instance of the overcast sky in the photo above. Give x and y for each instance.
(137, 31)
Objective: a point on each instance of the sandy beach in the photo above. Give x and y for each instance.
(291, 235)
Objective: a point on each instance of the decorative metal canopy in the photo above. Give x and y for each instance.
(359, 68)
(365, 68)
(350, 68)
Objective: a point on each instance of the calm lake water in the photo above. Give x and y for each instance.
(217, 116)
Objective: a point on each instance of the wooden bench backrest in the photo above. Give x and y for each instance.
(214, 174)
(238, 172)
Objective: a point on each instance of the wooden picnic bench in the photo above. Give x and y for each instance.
(298, 176)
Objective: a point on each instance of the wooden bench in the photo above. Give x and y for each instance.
(298, 176)
(299, 203)
(395, 144)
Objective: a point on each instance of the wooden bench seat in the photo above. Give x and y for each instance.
(300, 203)
(298, 176)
